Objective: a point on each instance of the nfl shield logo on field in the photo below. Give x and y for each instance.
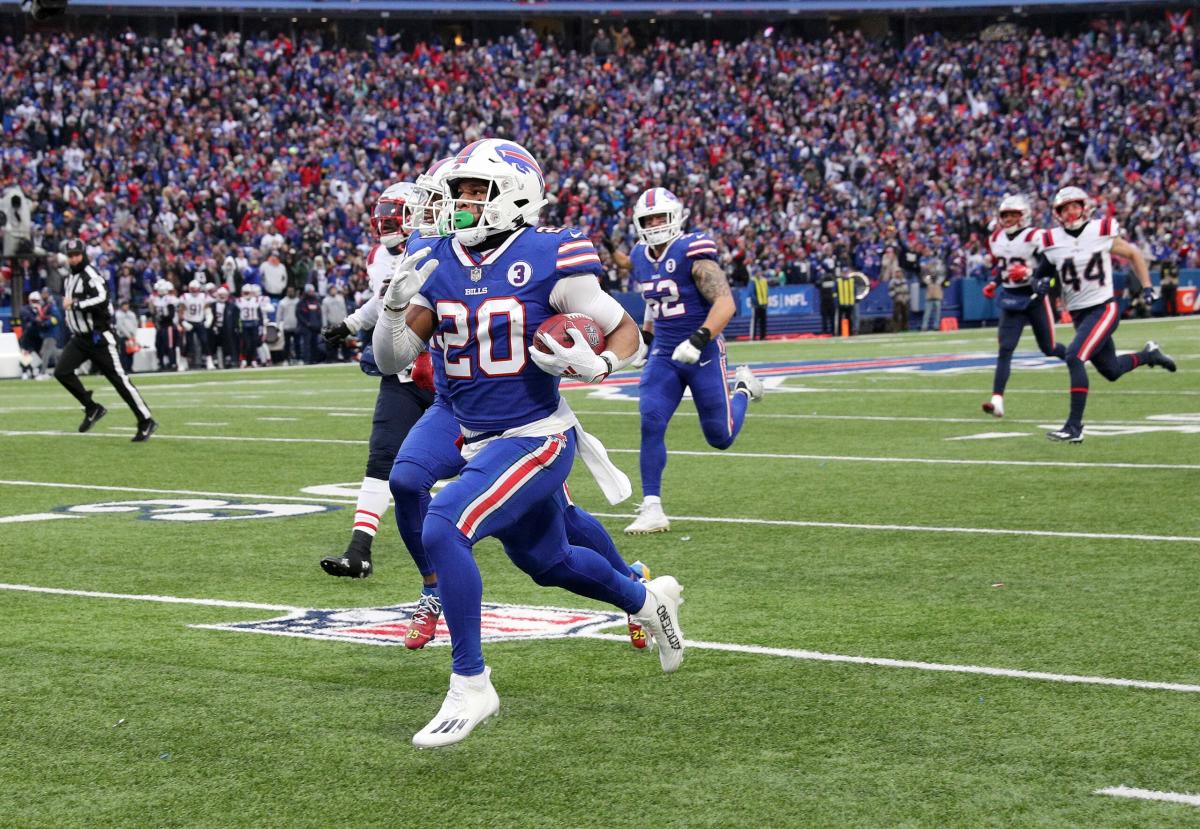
(476, 274)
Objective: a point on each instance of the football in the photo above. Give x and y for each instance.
(558, 326)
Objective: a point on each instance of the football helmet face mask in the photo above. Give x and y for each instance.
(1011, 205)
(1070, 218)
(658, 201)
(514, 197)
(421, 212)
(387, 219)
(222, 293)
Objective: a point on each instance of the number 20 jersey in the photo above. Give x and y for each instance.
(1083, 261)
(487, 309)
(673, 301)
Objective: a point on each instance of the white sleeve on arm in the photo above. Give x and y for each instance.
(394, 343)
(101, 286)
(366, 316)
(582, 295)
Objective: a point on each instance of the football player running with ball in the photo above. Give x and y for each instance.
(484, 289)
(688, 305)
(1015, 248)
(1081, 250)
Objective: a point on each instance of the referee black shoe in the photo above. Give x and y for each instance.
(91, 416)
(145, 429)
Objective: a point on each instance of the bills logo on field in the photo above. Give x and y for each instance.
(389, 625)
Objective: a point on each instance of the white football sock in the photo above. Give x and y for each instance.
(372, 504)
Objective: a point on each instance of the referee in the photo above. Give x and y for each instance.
(89, 317)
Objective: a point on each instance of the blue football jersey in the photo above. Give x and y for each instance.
(675, 304)
(488, 308)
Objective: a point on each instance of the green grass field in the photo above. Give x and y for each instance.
(1008, 553)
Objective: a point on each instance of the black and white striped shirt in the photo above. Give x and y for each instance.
(90, 309)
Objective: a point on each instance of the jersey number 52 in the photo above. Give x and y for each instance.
(662, 298)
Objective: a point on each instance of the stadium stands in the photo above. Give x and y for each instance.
(177, 156)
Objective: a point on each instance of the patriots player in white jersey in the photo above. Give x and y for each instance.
(1015, 248)
(483, 290)
(688, 305)
(1081, 251)
(197, 316)
(403, 397)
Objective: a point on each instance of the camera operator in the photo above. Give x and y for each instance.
(89, 317)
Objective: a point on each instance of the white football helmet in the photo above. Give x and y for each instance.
(387, 219)
(1070, 195)
(1019, 204)
(658, 201)
(194, 286)
(162, 287)
(516, 190)
(421, 211)
(222, 293)
(247, 290)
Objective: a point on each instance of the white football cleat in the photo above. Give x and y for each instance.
(470, 701)
(744, 380)
(995, 406)
(660, 616)
(650, 519)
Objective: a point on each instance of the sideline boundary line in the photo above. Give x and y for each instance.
(791, 653)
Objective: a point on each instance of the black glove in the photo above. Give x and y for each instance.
(647, 337)
(1148, 296)
(335, 333)
(700, 338)
(1041, 287)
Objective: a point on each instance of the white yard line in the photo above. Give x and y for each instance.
(915, 528)
(1149, 794)
(703, 519)
(92, 594)
(790, 653)
(710, 454)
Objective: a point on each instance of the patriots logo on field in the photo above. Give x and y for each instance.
(515, 156)
(389, 625)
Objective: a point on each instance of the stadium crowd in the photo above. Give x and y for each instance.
(228, 160)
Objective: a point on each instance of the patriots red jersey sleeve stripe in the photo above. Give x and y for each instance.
(1030, 235)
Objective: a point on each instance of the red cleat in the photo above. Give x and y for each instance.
(637, 633)
(422, 627)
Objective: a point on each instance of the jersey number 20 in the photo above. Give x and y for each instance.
(495, 319)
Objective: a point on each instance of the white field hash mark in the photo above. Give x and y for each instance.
(1150, 794)
(790, 653)
(704, 519)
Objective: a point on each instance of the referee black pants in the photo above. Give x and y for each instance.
(101, 349)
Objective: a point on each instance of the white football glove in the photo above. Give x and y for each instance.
(577, 360)
(688, 351)
(408, 279)
(685, 352)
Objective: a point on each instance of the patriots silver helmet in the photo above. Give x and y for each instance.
(1017, 204)
(1072, 195)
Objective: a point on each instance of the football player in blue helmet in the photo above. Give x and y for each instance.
(688, 305)
(480, 292)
